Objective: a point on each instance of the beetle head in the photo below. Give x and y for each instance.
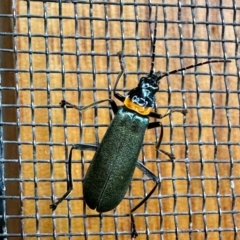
(143, 94)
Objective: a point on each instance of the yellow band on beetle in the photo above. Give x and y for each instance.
(135, 107)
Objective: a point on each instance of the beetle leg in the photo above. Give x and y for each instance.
(54, 205)
(169, 111)
(155, 125)
(153, 177)
(114, 106)
(117, 95)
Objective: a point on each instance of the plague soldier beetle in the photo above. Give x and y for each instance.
(110, 172)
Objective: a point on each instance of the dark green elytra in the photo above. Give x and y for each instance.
(110, 172)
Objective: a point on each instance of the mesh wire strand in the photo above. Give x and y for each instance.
(215, 222)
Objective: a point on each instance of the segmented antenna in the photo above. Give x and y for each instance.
(153, 45)
(192, 66)
(153, 42)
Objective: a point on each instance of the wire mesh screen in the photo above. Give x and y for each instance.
(54, 50)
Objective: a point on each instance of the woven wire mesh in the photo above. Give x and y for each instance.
(54, 50)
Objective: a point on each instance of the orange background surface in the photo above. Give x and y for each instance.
(194, 188)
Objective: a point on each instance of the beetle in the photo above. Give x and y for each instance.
(110, 172)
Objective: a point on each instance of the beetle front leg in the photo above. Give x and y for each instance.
(121, 61)
(54, 205)
(169, 111)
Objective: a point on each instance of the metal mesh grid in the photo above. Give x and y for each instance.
(67, 50)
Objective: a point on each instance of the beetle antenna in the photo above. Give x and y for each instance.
(192, 66)
(153, 43)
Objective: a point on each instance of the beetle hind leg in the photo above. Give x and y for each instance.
(153, 177)
(134, 231)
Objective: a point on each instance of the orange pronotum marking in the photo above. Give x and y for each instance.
(135, 107)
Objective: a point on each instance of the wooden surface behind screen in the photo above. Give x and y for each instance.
(195, 187)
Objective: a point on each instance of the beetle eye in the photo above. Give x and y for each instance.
(135, 99)
(145, 85)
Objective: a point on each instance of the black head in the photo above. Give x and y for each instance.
(143, 94)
